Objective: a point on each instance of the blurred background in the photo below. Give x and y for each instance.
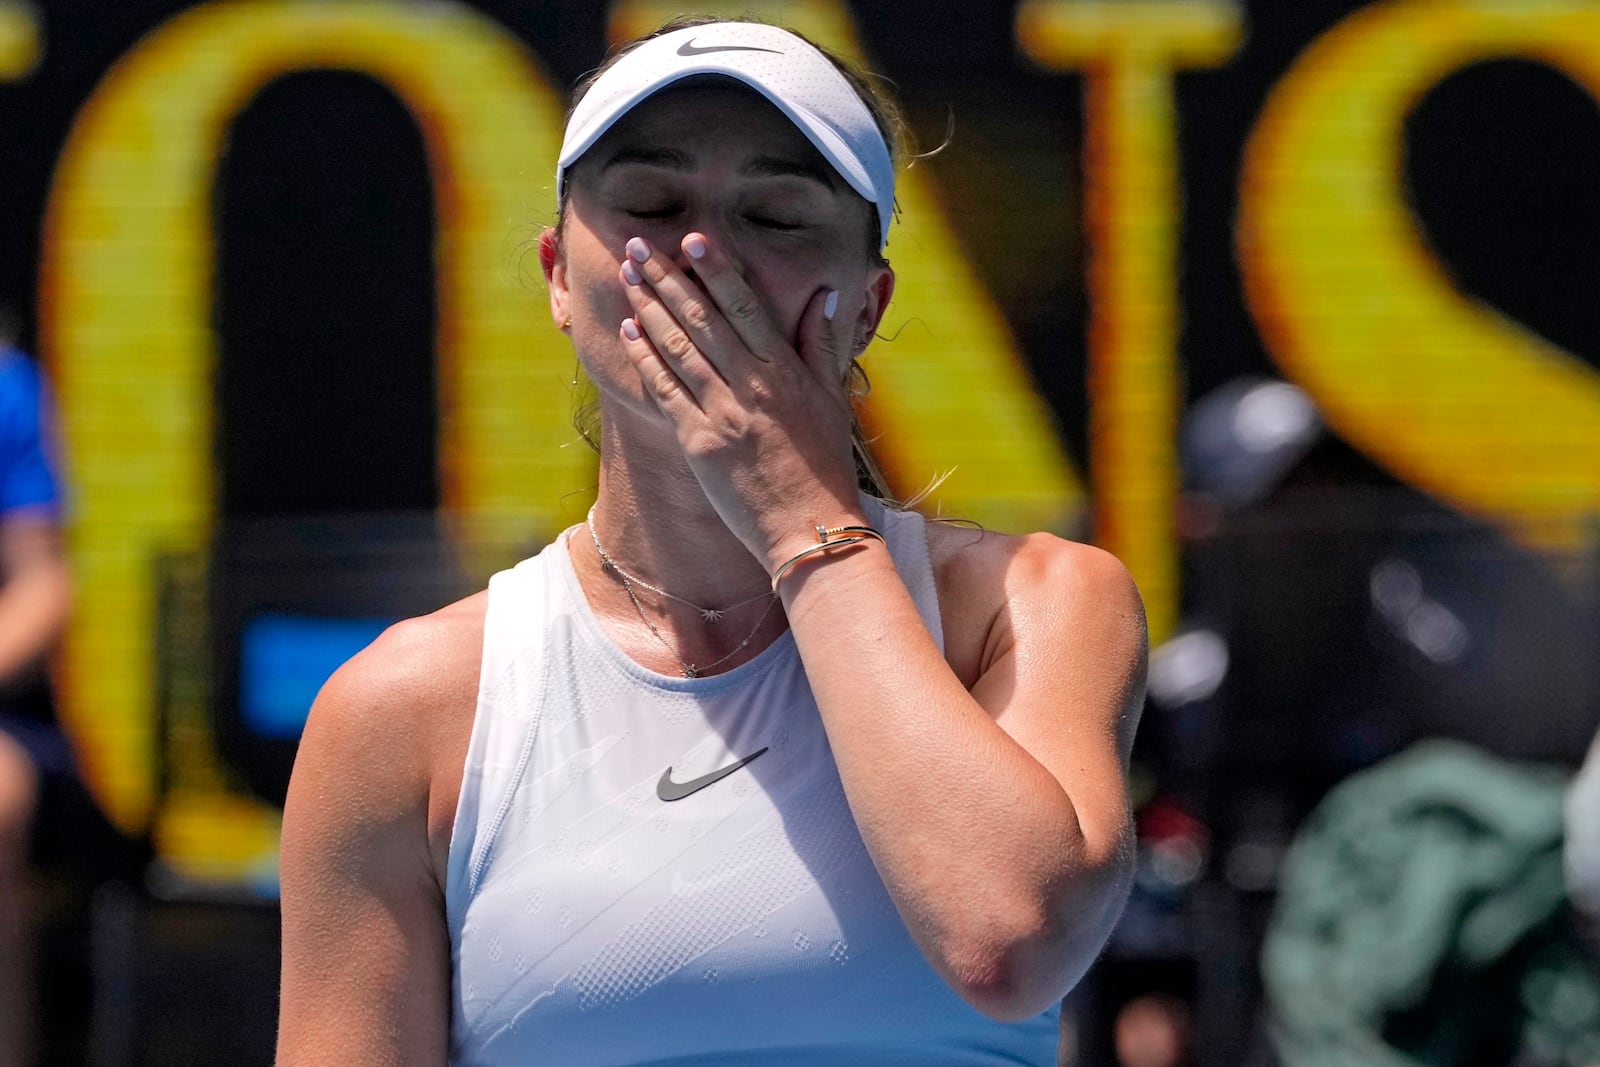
(1292, 306)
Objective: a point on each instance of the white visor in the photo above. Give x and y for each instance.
(798, 79)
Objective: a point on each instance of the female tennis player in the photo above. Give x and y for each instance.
(750, 767)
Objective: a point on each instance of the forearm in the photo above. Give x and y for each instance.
(954, 811)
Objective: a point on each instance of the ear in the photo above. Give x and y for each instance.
(880, 290)
(554, 263)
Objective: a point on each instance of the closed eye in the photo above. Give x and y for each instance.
(664, 212)
(770, 223)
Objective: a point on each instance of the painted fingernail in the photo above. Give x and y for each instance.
(630, 329)
(631, 273)
(830, 305)
(695, 245)
(638, 249)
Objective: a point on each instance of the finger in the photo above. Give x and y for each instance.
(661, 382)
(822, 345)
(676, 344)
(741, 306)
(691, 308)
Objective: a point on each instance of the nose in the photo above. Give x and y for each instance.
(693, 244)
(684, 261)
(714, 239)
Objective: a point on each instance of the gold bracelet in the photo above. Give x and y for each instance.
(854, 535)
(823, 533)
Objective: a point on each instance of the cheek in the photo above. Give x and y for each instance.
(592, 274)
(605, 301)
(785, 293)
(600, 292)
(598, 308)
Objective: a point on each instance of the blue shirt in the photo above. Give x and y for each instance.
(27, 438)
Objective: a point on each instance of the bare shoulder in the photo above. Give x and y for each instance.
(973, 562)
(416, 667)
(387, 736)
(996, 590)
(398, 695)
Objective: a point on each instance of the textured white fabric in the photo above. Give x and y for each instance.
(798, 79)
(592, 923)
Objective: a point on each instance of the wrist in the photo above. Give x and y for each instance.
(795, 529)
(830, 542)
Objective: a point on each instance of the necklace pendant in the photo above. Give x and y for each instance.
(711, 614)
(691, 671)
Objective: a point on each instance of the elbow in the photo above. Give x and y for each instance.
(1015, 977)
(1010, 984)
(46, 585)
(62, 599)
(55, 609)
(1001, 988)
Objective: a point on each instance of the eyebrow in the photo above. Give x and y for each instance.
(656, 157)
(780, 167)
(759, 167)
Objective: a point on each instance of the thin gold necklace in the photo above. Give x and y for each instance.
(708, 614)
(690, 670)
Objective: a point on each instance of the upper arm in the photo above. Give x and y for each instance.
(366, 958)
(1062, 671)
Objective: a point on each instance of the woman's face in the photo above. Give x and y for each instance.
(721, 161)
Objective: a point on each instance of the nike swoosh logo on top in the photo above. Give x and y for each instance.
(669, 790)
(689, 48)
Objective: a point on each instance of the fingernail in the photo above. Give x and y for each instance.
(630, 329)
(830, 305)
(631, 273)
(638, 249)
(695, 245)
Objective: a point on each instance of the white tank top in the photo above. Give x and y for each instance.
(591, 922)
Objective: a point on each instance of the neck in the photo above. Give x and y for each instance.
(656, 524)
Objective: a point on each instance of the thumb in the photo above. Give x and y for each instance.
(820, 346)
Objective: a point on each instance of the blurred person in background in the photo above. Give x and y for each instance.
(752, 766)
(34, 602)
(1154, 1030)
(1581, 848)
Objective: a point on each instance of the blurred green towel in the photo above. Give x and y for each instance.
(1422, 920)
